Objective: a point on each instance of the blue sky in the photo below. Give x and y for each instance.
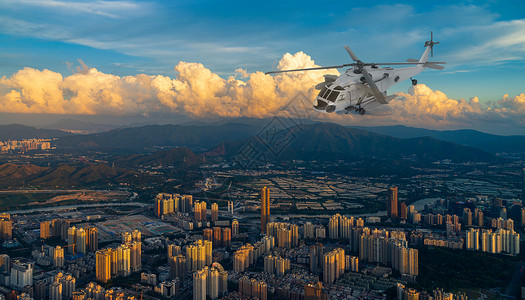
(130, 37)
(482, 41)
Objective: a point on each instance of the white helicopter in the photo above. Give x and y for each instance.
(365, 85)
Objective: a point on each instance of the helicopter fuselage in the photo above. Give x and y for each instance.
(350, 91)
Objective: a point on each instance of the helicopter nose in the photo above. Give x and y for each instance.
(320, 104)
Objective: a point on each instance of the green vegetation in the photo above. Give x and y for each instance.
(453, 269)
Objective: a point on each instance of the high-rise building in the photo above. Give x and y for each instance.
(478, 216)
(58, 257)
(214, 212)
(208, 234)
(71, 240)
(467, 217)
(286, 234)
(226, 237)
(265, 208)
(21, 274)
(135, 255)
(45, 229)
(235, 228)
(199, 284)
(80, 240)
(333, 265)
(136, 236)
(472, 236)
(55, 291)
(186, 203)
(166, 204)
(403, 213)
(124, 260)
(67, 285)
(6, 227)
(316, 258)
(103, 265)
(40, 290)
(126, 237)
(253, 288)
(91, 239)
(392, 203)
(173, 250)
(60, 228)
(198, 255)
(177, 267)
(217, 236)
(200, 211)
(5, 263)
(413, 262)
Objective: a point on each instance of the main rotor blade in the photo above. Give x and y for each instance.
(375, 91)
(403, 63)
(351, 53)
(310, 69)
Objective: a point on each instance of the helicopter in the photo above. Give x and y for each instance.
(365, 85)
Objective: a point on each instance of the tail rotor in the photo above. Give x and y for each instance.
(431, 44)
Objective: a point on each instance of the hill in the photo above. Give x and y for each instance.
(68, 124)
(484, 141)
(333, 142)
(147, 137)
(173, 157)
(12, 175)
(20, 132)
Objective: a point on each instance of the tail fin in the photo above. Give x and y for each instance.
(425, 56)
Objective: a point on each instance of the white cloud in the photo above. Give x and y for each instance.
(196, 91)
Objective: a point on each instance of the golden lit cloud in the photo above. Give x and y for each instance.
(195, 91)
(198, 92)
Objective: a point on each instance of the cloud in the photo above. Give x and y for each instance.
(196, 91)
(423, 107)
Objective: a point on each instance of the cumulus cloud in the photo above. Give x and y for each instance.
(198, 92)
(423, 107)
(195, 91)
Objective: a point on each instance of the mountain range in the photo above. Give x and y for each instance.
(325, 141)
(310, 140)
(484, 141)
(150, 136)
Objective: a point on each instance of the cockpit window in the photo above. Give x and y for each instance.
(321, 93)
(333, 96)
(326, 93)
